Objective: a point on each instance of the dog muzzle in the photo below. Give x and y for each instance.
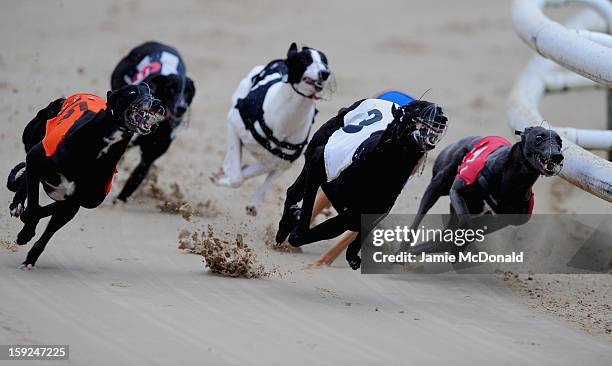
(428, 133)
(549, 166)
(144, 114)
(323, 88)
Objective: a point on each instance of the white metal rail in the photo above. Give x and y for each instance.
(585, 52)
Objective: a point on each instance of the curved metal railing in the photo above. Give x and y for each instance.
(585, 52)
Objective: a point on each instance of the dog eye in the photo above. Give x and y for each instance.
(539, 139)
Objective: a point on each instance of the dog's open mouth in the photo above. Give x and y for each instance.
(144, 114)
(429, 132)
(548, 166)
(317, 85)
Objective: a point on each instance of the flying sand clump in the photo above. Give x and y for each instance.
(229, 258)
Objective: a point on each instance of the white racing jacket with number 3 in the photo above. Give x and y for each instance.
(369, 116)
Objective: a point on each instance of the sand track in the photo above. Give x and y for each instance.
(113, 285)
(147, 301)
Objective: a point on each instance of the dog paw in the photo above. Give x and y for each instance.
(321, 262)
(27, 267)
(354, 263)
(225, 182)
(296, 239)
(17, 210)
(26, 234)
(287, 223)
(281, 236)
(251, 210)
(220, 179)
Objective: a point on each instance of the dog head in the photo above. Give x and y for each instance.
(542, 149)
(309, 73)
(135, 107)
(424, 122)
(175, 93)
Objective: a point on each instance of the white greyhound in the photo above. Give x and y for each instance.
(272, 112)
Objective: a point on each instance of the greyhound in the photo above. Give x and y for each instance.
(272, 112)
(478, 170)
(163, 69)
(72, 148)
(361, 158)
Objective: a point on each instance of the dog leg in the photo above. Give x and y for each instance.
(459, 203)
(352, 253)
(41, 213)
(291, 212)
(152, 147)
(327, 258)
(64, 212)
(35, 165)
(321, 203)
(314, 178)
(17, 206)
(328, 229)
(261, 191)
(134, 181)
(253, 170)
(430, 197)
(231, 174)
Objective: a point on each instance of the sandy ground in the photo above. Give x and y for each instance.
(113, 285)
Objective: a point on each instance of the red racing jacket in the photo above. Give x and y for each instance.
(475, 160)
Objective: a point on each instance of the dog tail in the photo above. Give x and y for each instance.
(15, 177)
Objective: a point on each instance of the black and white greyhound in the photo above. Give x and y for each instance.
(272, 112)
(163, 69)
(489, 170)
(72, 148)
(361, 158)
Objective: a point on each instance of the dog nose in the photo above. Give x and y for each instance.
(180, 110)
(557, 158)
(324, 74)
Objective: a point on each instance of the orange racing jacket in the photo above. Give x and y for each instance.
(73, 109)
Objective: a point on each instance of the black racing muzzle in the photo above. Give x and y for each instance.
(143, 114)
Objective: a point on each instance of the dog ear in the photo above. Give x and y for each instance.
(292, 50)
(189, 90)
(397, 113)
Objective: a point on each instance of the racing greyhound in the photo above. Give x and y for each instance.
(478, 170)
(361, 158)
(272, 112)
(163, 69)
(72, 148)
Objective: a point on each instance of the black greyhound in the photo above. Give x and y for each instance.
(361, 158)
(476, 170)
(163, 69)
(72, 147)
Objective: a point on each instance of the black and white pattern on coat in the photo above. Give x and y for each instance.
(252, 112)
(162, 68)
(271, 116)
(379, 168)
(343, 147)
